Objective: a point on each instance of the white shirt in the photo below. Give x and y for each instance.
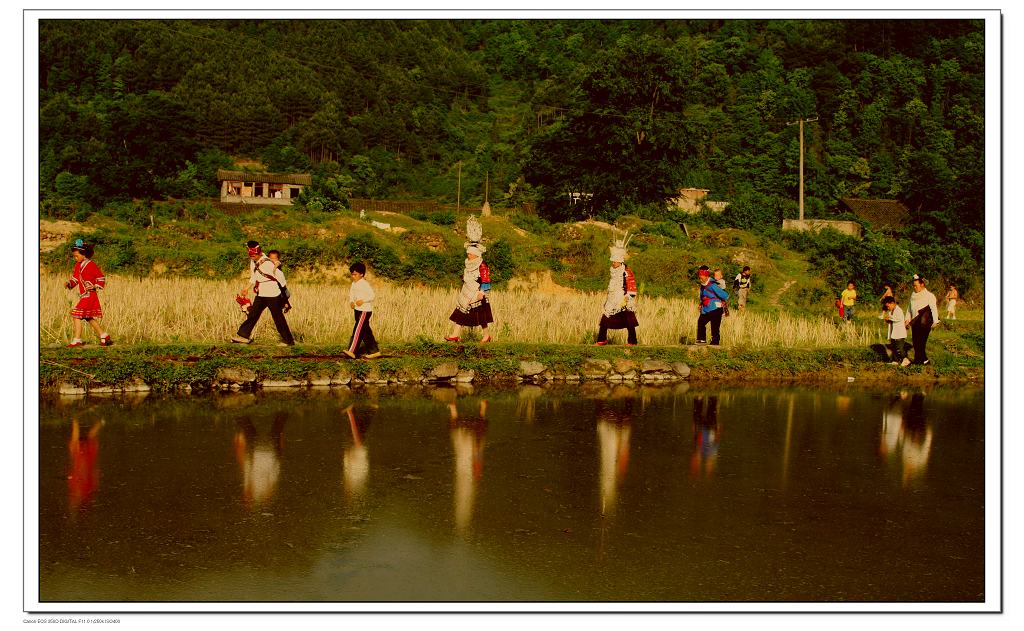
(921, 299)
(266, 287)
(897, 328)
(361, 290)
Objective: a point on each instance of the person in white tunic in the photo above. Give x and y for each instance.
(922, 316)
(619, 310)
(266, 281)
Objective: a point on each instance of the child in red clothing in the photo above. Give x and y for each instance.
(88, 278)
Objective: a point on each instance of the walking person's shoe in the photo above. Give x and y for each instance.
(373, 355)
(285, 344)
(105, 340)
(702, 341)
(349, 354)
(451, 339)
(238, 339)
(905, 362)
(486, 339)
(926, 362)
(75, 344)
(601, 344)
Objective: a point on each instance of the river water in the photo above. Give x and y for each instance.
(590, 493)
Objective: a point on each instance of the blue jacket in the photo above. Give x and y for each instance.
(712, 297)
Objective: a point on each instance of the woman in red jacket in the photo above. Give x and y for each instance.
(88, 278)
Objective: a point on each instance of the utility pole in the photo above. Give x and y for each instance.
(486, 210)
(801, 122)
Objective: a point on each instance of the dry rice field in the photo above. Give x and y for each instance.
(190, 310)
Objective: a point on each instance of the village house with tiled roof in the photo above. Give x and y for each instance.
(269, 189)
(883, 214)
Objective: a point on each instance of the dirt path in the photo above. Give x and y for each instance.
(775, 299)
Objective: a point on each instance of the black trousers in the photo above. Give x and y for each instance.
(602, 334)
(715, 318)
(899, 349)
(919, 333)
(275, 304)
(362, 334)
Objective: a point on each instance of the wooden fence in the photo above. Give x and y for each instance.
(405, 207)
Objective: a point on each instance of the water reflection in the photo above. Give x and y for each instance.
(83, 466)
(467, 434)
(906, 436)
(526, 407)
(593, 500)
(614, 426)
(259, 459)
(356, 458)
(707, 435)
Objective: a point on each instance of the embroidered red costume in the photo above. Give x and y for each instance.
(89, 278)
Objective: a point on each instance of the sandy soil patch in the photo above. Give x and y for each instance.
(53, 234)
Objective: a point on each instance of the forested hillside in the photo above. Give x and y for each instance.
(628, 111)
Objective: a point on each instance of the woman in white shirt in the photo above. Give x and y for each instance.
(922, 315)
(266, 281)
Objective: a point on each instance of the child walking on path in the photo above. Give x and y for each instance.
(620, 305)
(88, 278)
(849, 298)
(472, 307)
(360, 300)
(897, 329)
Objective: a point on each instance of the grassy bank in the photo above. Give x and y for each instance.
(189, 310)
(169, 367)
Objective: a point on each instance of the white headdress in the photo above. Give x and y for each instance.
(618, 249)
(474, 232)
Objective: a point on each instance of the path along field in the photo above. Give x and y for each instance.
(183, 310)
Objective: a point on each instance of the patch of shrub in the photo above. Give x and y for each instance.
(500, 261)
(443, 218)
(532, 223)
(363, 247)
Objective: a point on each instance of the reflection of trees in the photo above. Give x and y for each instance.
(259, 460)
(526, 406)
(906, 435)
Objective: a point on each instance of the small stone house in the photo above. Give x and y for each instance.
(265, 189)
(883, 214)
(690, 200)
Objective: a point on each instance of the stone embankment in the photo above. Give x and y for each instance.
(646, 371)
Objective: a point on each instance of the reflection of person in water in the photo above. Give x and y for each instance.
(906, 433)
(707, 435)
(468, 445)
(356, 459)
(259, 462)
(83, 466)
(614, 426)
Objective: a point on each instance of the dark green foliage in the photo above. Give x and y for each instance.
(758, 212)
(443, 218)
(532, 223)
(628, 111)
(382, 259)
(437, 267)
(500, 261)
